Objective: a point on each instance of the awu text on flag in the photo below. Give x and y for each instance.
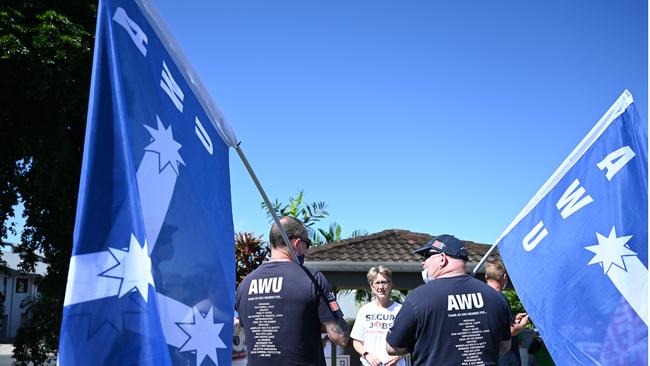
(151, 279)
(578, 253)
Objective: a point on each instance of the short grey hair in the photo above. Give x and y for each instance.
(379, 270)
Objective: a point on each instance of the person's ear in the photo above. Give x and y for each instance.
(294, 243)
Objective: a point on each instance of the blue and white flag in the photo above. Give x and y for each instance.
(578, 252)
(152, 273)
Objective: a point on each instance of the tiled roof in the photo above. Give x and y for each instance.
(386, 246)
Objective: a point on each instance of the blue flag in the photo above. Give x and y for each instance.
(578, 252)
(152, 273)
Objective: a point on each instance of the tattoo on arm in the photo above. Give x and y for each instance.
(334, 328)
(338, 331)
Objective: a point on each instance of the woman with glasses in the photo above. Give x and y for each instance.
(374, 319)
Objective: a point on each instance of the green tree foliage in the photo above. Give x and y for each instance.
(308, 213)
(45, 64)
(516, 306)
(513, 300)
(333, 233)
(250, 252)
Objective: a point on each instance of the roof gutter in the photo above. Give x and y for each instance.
(346, 266)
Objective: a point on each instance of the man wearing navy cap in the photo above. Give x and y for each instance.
(453, 319)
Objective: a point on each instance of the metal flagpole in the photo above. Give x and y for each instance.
(240, 152)
(485, 257)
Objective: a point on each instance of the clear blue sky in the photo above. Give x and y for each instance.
(430, 116)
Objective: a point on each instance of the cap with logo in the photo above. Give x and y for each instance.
(448, 244)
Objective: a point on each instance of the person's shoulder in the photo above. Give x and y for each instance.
(395, 306)
(248, 278)
(472, 281)
(365, 308)
(278, 268)
(485, 288)
(257, 272)
(463, 283)
(368, 305)
(316, 274)
(488, 292)
(423, 290)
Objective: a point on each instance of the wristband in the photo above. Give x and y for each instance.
(364, 355)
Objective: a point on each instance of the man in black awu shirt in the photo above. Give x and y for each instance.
(453, 319)
(282, 305)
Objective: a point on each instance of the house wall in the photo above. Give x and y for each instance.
(10, 284)
(348, 306)
(22, 287)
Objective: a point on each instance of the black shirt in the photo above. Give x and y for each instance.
(281, 306)
(452, 321)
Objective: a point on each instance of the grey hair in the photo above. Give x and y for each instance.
(379, 270)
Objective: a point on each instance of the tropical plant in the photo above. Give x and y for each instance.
(332, 234)
(322, 236)
(515, 305)
(250, 252)
(308, 213)
(513, 300)
(357, 233)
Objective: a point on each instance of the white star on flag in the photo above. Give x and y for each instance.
(624, 268)
(164, 144)
(134, 268)
(610, 250)
(204, 336)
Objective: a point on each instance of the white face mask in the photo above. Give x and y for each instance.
(425, 276)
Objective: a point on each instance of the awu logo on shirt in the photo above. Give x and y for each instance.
(464, 301)
(265, 285)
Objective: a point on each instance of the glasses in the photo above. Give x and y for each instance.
(381, 283)
(430, 254)
(304, 240)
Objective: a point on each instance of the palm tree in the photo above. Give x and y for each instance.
(333, 233)
(322, 236)
(308, 213)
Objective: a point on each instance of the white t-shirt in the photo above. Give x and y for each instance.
(372, 325)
